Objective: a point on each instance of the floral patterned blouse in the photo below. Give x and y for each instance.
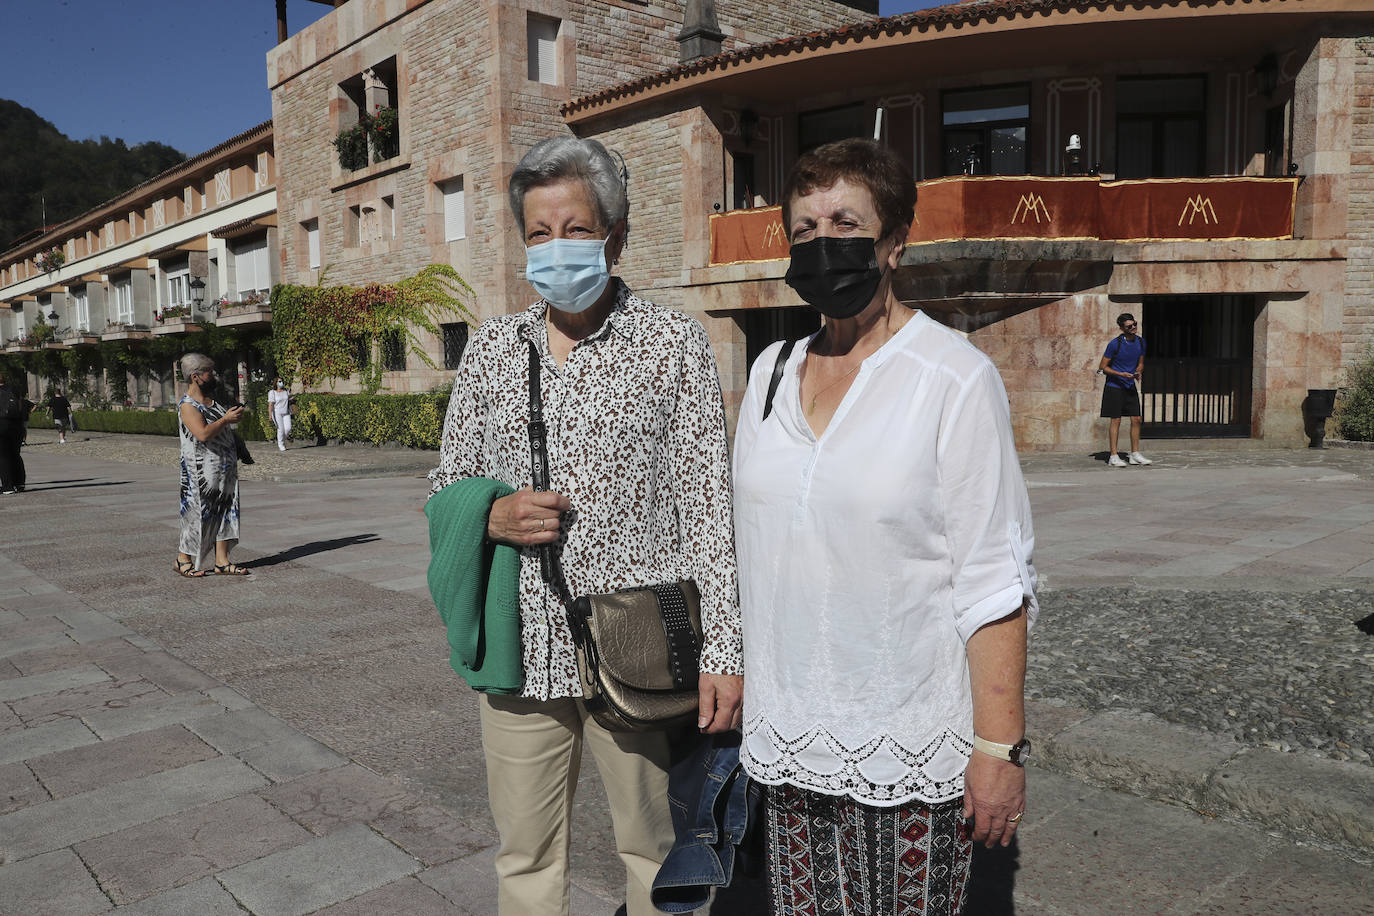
(636, 441)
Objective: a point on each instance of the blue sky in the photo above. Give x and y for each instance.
(188, 73)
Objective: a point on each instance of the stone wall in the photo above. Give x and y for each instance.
(1358, 325)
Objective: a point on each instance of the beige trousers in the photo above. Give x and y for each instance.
(534, 752)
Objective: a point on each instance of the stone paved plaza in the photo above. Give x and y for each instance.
(295, 742)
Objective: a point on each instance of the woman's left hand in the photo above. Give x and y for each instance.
(721, 696)
(994, 793)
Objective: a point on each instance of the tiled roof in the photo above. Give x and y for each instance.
(964, 11)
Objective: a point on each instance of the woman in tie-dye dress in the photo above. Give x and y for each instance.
(209, 474)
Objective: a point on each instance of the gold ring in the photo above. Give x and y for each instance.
(541, 524)
(1016, 818)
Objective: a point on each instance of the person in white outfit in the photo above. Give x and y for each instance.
(279, 400)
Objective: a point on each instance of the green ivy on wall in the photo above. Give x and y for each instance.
(319, 332)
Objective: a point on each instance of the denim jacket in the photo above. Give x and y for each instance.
(713, 804)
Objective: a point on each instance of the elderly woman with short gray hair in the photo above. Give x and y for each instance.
(639, 493)
(209, 473)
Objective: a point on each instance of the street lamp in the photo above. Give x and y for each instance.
(197, 293)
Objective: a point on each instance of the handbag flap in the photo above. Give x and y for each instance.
(648, 638)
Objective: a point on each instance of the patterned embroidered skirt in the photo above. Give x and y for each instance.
(830, 855)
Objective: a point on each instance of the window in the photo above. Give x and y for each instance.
(985, 131)
(251, 274)
(455, 341)
(81, 309)
(124, 301)
(393, 351)
(762, 327)
(815, 128)
(1275, 162)
(353, 227)
(541, 48)
(312, 243)
(1159, 127)
(386, 228)
(178, 287)
(455, 213)
(743, 186)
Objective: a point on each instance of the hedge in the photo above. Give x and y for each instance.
(414, 420)
(160, 422)
(1355, 403)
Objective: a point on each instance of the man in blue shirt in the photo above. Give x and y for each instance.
(1122, 364)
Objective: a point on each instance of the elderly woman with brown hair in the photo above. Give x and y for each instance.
(884, 539)
(639, 493)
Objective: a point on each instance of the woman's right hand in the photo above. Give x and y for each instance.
(527, 518)
(233, 414)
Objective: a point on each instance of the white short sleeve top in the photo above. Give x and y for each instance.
(867, 558)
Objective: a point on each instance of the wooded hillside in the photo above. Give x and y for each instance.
(39, 164)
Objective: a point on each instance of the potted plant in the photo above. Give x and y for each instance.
(50, 260)
(386, 136)
(351, 144)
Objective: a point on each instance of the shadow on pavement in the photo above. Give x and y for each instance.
(63, 485)
(993, 879)
(314, 547)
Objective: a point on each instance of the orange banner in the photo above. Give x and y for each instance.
(995, 207)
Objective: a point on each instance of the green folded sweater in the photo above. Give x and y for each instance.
(475, 586)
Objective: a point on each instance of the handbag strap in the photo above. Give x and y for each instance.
(550, 566)
(779, 365)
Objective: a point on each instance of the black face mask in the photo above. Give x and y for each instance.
(836, 277)
(209, 385)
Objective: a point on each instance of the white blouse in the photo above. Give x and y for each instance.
(867, 558)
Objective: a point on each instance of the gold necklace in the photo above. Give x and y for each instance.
(816, 394)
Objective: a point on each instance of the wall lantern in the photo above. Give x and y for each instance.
(52, 316)
(197, 293)
(748, 125)
(1267, 74)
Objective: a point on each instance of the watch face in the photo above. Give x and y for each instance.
(1020, 752)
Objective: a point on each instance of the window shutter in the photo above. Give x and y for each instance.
(455, 217)
(542, 48)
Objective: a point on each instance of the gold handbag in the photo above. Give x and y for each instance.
(638, 649)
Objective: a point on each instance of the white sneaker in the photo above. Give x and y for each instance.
(1137, 458)
(282, 448)
(1115, 461)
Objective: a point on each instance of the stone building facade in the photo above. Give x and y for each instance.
(1170, 105)
(472, 86)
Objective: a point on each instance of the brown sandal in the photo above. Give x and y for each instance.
(187, 569)
(231, 569)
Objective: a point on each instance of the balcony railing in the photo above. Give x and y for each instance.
(1025, 207)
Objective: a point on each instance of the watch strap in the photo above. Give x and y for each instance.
(992, 748)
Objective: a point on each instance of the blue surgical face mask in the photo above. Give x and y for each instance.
(570, 273)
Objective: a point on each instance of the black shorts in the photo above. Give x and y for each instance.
(1120, 402)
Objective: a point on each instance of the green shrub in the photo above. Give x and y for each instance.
(161, 422)
(414, 420)
(1355, 403)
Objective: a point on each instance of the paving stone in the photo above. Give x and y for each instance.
(335, 798)
(1296, 879)
(430, 834)
(235, 731)
(45, 739)
(289, 758)
(349, 862)
(183, 709)
(85, 768)
(1139, 753)
(8, 720)
(1328, 797)
(182, 848)
(167, 672)
(52, 825)
(19, 788)
(85, 701)
(229, 698)
(406, 896)
(37, 641)
(72, 654)
(56, 884)
(470, 883)
(203, 898)
(52, 682)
